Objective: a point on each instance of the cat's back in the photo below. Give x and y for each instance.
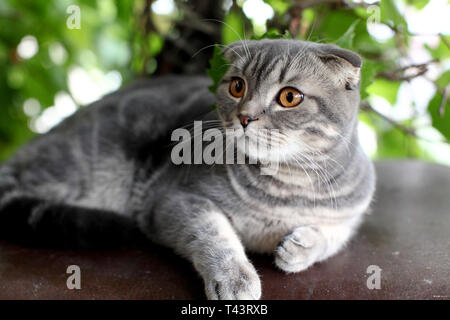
(172, 98)
(94, 156)
(142, 112)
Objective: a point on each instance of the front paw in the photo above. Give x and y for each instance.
(237, 281)
(300, 249)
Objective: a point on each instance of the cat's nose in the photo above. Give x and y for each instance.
(245, 120)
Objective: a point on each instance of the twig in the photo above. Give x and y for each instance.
(194, 21)
(296, 10)
(147, 26)
(312, 3)
(408, 131)
(367, 107)
(394, 75)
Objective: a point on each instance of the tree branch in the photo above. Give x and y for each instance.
(367, 107)
(406, 130)
(400, 73)
(194, 21)
(303, 4)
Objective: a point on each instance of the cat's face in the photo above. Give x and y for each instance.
(289, 96)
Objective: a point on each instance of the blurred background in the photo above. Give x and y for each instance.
(57, 56)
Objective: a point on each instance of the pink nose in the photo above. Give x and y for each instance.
(245, 120)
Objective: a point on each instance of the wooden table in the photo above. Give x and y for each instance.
(407, 235)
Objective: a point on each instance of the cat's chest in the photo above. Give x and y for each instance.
(261, 228)
(260, 231)
(263, 211)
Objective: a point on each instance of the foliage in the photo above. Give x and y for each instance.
(131, 39)
(218, 68)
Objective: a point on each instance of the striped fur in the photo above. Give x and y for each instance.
(106, 173)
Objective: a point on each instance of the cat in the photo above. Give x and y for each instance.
(106, 172)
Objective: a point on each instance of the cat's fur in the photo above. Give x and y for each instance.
(106, 171)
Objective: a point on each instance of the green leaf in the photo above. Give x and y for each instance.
(443, 80)
(384, 88)
(233, 28)
(369, 70)
(273, 34)
(155, 43)
(391, 15)
(418, 4)
(394, 143)
(440, 114)
(334, 24)
(442, 51)
(346, 40)
(218, 67)
(279, 6)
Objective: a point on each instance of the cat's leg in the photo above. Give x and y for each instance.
(309, 244)
(198, 230)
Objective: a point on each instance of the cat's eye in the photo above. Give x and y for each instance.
(237, 87)
(290, 97)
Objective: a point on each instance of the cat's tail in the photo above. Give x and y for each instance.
(38, 222)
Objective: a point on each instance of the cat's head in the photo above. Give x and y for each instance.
(293, 96)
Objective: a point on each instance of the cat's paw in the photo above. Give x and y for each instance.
(300, 249)
(238, 281)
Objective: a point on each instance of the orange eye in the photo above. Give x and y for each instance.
(290, 97)
(237, 88)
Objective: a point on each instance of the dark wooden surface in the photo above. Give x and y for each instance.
(407, 235)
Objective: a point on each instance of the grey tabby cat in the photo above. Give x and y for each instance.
(106, 172)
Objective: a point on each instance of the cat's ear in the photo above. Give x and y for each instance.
(345, 63)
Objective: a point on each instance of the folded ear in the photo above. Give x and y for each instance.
(344, 63)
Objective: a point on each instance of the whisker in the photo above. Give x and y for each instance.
(247, 51)
(213, 45)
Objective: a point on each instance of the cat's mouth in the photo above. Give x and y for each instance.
(260, 144)
(263, 145)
